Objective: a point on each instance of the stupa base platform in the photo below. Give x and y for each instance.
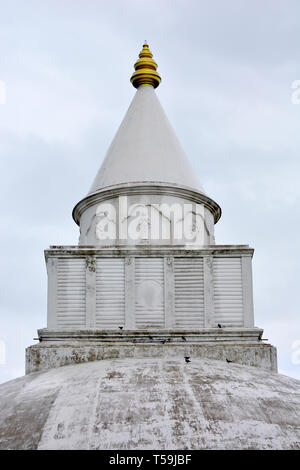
(59, 348)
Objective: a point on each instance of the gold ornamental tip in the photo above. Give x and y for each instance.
(145, 69)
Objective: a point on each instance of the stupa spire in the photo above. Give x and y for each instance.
(145, 69)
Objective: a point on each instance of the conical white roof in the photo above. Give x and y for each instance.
(145, 148)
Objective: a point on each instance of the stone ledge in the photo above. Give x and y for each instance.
(153, 336)
(48, 355)
(148, 250)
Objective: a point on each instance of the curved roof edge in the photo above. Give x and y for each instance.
(146, 187)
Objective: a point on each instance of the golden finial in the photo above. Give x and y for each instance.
(145, 69)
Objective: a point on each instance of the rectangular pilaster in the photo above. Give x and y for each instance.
(90, 292)
(209, 320)
(169, 292)
(129, 293)
(247, 291)
(52, 293)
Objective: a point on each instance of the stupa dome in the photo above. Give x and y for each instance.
(151, 403)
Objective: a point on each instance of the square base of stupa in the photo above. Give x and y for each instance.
(240, 346)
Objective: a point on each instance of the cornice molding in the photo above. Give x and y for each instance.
(150, 251)
(145, 188)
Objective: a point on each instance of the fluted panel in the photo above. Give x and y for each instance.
(110, 292)
(71, 292)
(228, 291)
(189, 292)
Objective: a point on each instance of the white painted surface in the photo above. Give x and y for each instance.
(90, 292)
(149, 293)
(154, 292)
(145, 148)
(208, 281)
(228, 291)
(130, 292)
(164, 225)
(71, 307)
(169, 292)
(151, 403)
(51, 264)
(110, 292)
(189, 292)
(247, 291)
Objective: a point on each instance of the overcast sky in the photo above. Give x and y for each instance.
(227, 69)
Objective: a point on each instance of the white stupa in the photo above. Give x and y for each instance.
(150, 340)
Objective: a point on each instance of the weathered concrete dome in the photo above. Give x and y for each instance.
(151, 404)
